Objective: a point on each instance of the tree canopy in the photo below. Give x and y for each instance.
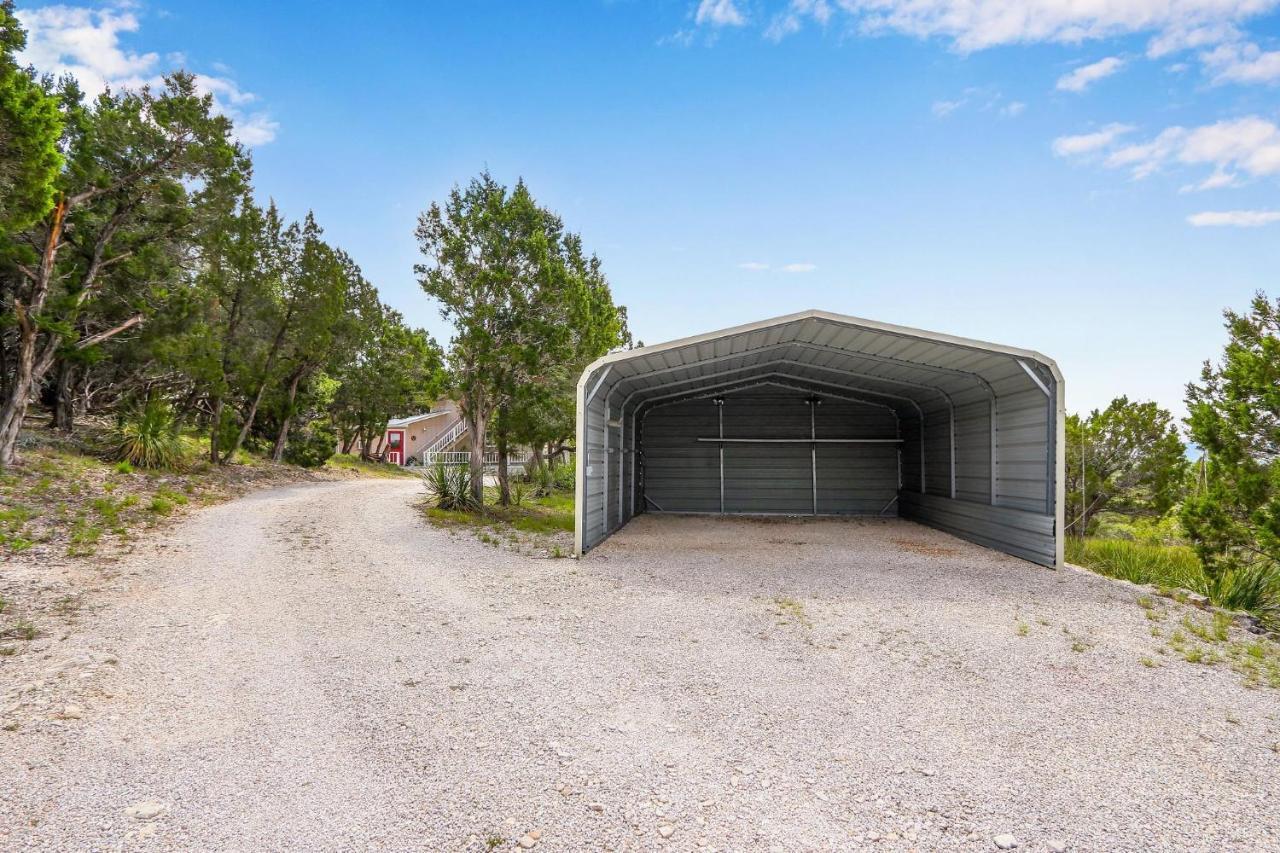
(1233, 515)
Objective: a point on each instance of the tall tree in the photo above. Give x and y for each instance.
(526, 305)
(1233, 516)
(1127, 458)
(131, 161)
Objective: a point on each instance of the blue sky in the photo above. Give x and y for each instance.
(1097, 185)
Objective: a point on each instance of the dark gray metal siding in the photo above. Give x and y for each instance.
(683, 475)
(1024, 534)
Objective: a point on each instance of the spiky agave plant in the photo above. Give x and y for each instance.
(148, 436)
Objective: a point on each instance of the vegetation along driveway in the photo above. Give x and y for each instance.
(312, 667)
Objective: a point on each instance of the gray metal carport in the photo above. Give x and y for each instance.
(823, 414)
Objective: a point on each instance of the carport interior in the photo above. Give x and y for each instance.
(819, 414)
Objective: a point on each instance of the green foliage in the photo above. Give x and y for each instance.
(450, 487)
(148, 436)
(1254, 588)
(529, 310)
(1125, 459)
(1233, 515)
(311, 446)
(540, 477)
(30, 127)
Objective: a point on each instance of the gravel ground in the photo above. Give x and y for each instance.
(311, 668)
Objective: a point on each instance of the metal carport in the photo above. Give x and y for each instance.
(823, 414)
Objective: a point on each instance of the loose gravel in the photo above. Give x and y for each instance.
(314, 667)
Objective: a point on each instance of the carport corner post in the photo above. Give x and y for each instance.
(580, 452)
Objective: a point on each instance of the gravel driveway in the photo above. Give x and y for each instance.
(312, 668)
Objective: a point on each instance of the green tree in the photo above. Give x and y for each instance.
(394, 371)
(1127, 458)
(133, 160)
(30, 128)
(1233, 516)
(526, 305)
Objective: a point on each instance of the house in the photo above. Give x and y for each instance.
(411, 440)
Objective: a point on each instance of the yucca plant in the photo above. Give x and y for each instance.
(450, 487)
(147, 436)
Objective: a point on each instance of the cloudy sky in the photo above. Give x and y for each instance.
(1093, 180)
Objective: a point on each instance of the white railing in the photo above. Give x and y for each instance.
(446, 439)
(463, 457)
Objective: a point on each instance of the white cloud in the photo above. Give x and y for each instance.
(1234, 218)
(977, 24)
(1218, 180)
(1088, 143)
(85, 43)
(1242, 62)
(942, 109)
(718, 13)
(1086, 75)
(1013, 109)
(754, 266)
(798, 267)
(792, 19)
(1248, 146)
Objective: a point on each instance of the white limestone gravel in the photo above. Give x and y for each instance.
(314, 668)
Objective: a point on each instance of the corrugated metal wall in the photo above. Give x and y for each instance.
(683, 474)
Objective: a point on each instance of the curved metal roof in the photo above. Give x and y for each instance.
(899, 366)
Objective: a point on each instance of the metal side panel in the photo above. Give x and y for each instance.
(595, 474)
(1028, 535)
(681, 474)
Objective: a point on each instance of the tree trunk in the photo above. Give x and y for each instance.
(14, 410)
(215, 429)
(64, 399)
(277, 453)
(349, 441)
(262, 387)
(476, 425)
(504, 479)
(536, 450)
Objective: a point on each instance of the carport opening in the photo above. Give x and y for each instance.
(817, 414)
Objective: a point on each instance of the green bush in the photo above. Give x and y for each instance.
(450, 487)
(1254, 588)
(564, 477)
(147, 436)
(311, 447)
(541, 479)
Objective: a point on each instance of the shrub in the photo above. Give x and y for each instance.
(564, 477)
(311, 446)
(1255, 588)
(450, 487)
(147, 436)
(541, 479)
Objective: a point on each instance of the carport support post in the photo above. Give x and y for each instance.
(719, 401)
(813, 402)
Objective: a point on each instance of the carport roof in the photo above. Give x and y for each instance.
(818, 350)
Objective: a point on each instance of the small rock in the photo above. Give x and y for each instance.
(666, 830)
(596, 807)
(1056, 846)
(146, 810)
(72, 712)
(1005, 841)
(527, 841)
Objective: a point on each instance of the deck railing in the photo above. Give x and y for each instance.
(431, 458)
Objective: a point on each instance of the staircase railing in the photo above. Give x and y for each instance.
(445, 439)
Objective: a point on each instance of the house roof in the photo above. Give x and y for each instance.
(413, 419)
